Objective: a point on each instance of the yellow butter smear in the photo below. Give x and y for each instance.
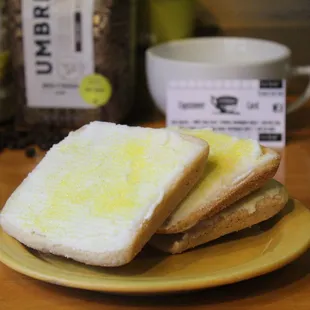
(111, 182)
(227, 156)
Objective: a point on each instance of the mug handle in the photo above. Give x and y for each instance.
(304, 97)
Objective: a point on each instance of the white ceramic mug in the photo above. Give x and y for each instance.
(219, 58)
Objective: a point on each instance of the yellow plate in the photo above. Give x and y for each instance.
(240, 256)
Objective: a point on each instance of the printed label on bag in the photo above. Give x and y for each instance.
(58, 51)
(253, 109)
(96, 90)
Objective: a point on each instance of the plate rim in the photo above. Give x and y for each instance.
(171, 286)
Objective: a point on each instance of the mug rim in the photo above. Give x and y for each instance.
(155, 51)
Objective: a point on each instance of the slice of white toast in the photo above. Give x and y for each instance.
(99, 195)
(253, 209)
(235, 168)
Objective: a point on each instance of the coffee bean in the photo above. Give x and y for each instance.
(42, 136)
(30, 152)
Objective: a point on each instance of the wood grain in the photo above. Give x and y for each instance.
(287, 288)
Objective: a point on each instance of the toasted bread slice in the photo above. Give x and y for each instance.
(99, 195)
(255, 208)
(235, 168)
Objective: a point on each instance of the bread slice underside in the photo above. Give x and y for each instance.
(253, 209)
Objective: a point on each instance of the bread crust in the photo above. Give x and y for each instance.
(251, 182)
(270, 202)
(178, 190)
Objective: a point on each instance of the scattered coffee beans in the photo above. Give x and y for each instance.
(42, 137)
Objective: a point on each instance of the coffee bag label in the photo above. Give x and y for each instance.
(254, 109)
(58, 51)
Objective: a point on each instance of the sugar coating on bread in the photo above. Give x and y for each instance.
(252, 209)
(235, 167)
(94, 191)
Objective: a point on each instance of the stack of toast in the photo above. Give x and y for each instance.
(105, 191)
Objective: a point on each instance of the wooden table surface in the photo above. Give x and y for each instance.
(286, 289)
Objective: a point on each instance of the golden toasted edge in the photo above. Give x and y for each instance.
(256, 179)
(236, 218)
(172, 198)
